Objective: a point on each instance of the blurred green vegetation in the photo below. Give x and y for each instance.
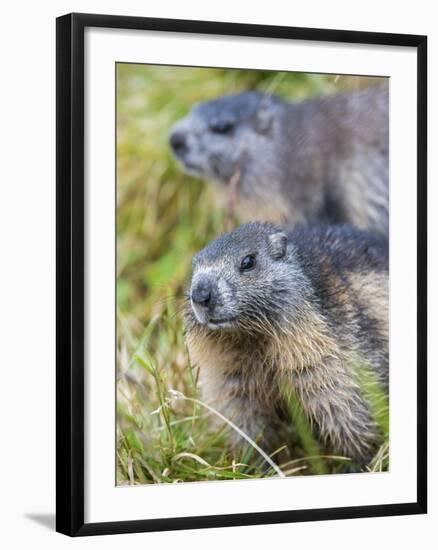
(163, 217)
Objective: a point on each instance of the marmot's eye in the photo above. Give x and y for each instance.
(221, 126)
(248, 263)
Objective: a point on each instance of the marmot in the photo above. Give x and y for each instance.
(268, 307)
(322, 160)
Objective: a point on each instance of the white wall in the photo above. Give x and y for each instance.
(27, 123)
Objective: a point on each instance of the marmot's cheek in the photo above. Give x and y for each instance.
(226, 292)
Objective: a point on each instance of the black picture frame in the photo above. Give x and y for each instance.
(70, 272)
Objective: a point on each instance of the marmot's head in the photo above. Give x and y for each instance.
(247, 279)
(232, 132)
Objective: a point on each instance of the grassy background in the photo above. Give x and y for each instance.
(163, 217)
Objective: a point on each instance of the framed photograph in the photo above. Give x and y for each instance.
(241, 274)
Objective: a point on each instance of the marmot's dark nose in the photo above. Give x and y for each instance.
(178, 143)
(202, 292)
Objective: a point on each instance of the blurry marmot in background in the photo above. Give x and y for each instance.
(323, 160)
(304, 309)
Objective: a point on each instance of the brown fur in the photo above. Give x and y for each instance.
(242, 377)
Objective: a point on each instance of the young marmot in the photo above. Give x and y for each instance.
(269, 309)
(323, 160)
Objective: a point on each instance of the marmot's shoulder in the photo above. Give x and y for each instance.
(346, 247)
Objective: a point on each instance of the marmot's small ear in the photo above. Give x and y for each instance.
(277, 245)
(263, 121)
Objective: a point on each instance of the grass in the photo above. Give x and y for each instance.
(164, 432)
